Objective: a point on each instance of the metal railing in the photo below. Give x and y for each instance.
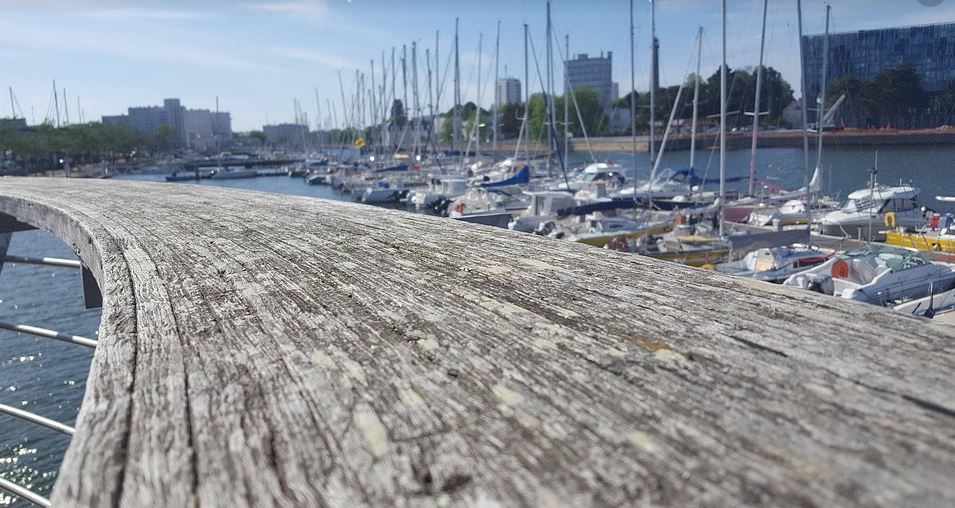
(24, 492)
(49, 334)
(62, 263)
(92, 298)
(37, 419)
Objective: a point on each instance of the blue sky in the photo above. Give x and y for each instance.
(257, 55)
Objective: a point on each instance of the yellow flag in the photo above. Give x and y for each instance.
(360, 143)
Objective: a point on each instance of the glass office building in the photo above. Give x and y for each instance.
(864, 54)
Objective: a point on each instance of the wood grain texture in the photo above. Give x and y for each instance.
(260, 349)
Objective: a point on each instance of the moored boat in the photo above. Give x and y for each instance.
(866, 210)
(938, 235)
(879, 275)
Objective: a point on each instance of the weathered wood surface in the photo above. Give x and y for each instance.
(259, 349)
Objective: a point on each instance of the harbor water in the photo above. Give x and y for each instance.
(43, 376)
(48, 377)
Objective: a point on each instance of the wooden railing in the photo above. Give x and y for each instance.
(260, 349)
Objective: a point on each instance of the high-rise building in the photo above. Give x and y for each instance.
(508, 90)
(195, 128)
(862, 55)
(595, 73)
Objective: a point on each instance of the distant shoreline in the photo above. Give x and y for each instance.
(766, 139)
(743, 140)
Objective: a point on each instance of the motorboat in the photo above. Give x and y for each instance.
(866, 210)
(438, 189)
(880, 275)
(543, 206)
(688, 244)
(931, 306)
(185, 176)
(937, 235)
(775, 264)
(607, 173)
(297, 170)
(493, 196)
(792, 212)
(386, 191)
(599, 230)
(671, 183)
(231, 174)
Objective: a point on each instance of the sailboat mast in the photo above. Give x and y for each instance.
(437, 73)
(805, 105)
(497, 78)
(822, 92)
(414, 91)
(318, 122)
(427, 61)
(394, 77)
(56, 104)
(66, 106)
(79, 111)
(404, 79)
(217, 131)
(389, 120)
(549, 114)
(759, 91)
(527, 95)
(344, 125)
(722, 118)
(566, 102)
(653, 77)
(382, 120)
(13, 111)
(696, 98)
(457, 90)
(374, 107)
(633, 112)
(477, 112)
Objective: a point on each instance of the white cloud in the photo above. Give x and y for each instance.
(311, 56)
(179, 50)
(289, 6)
(142, 13)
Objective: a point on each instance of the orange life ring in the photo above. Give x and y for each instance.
(840, 270)
(459, 208)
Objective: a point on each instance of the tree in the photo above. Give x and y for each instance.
(166, 137)
(259, 135)
(398, 116)
(536, 122)
(467, 128)
(591, 110)
(624, 102)
(509, 119)
(36, 148)
(895, 92)
(946, 99)
(741, 95)
(855, 108)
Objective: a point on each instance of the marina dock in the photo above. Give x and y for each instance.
(264, 349)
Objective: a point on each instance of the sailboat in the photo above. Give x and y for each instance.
(804, 205)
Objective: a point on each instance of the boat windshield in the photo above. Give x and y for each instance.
(899, 205)
(887, 257)
(860, 205)
(668, 174)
